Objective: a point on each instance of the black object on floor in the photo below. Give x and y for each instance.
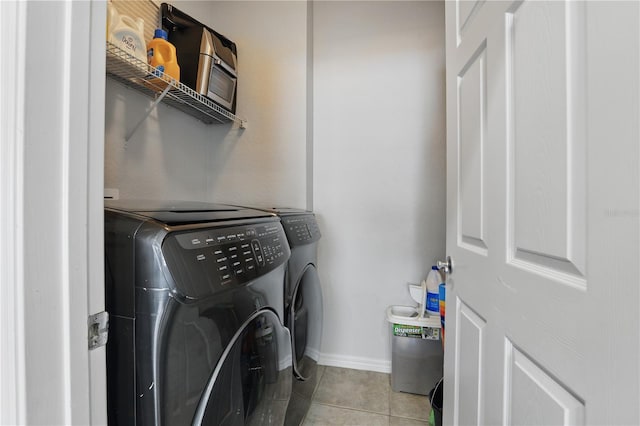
(435, 398)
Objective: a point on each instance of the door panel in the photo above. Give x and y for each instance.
(543, 212)
(546, 131)
(469, 344)
(465, 11)
(533, 397)
(472, 127)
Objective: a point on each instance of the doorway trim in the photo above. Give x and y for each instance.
(12, 370)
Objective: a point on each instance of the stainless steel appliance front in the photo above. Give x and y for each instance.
(208, 60)
(196, 314)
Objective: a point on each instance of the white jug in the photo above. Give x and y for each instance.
(127, 34)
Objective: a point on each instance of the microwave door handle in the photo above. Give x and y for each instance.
(204, 64)
(204, 69)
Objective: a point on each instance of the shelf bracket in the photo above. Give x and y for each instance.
(151, 108)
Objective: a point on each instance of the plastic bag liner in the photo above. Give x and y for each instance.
(435, 399)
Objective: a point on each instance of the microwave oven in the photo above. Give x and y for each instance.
(208, 60)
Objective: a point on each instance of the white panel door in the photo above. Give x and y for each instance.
(543, 213)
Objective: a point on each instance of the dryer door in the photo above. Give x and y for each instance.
(305, 323)
(251, 383)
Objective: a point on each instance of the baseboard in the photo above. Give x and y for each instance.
(354, 362)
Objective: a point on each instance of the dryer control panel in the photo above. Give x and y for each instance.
(208, 260)
(301, 229)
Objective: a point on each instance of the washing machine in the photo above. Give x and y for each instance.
(303, 306)
(196, 336)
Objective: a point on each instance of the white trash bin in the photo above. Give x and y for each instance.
(416, 350)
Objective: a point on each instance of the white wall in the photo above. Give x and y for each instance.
(377, 131)
(379, 152)
(174, 156)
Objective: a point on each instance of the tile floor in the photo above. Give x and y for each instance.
(355, 397)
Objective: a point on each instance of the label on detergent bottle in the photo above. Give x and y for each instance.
(433, 303)
(442, 294)
(129, 42)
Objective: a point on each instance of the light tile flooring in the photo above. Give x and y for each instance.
(354, 397)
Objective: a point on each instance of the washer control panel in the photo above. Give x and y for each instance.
(208, 260)
(301, 229)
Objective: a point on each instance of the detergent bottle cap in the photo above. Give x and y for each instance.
(160, 33)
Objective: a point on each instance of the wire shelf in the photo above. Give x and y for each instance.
(132, 72)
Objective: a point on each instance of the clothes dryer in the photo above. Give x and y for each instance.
(303, 293)
(303, 306)
(194, 293)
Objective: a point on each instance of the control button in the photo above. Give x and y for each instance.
(196, 241)
(246, 253)
(201, 257)
(235, 264)
(221, 238)
(221, 259)
(239, 271)
(251, 267)
(217, 252)
(244, 245)
(225, 279)
(257, 251)
(223, 268)
(232, 248)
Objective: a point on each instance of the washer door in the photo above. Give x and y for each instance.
(305, 323)
(251, 383)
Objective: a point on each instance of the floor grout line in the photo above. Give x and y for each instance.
(388, 415)
(315, 390)
(361, 410)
